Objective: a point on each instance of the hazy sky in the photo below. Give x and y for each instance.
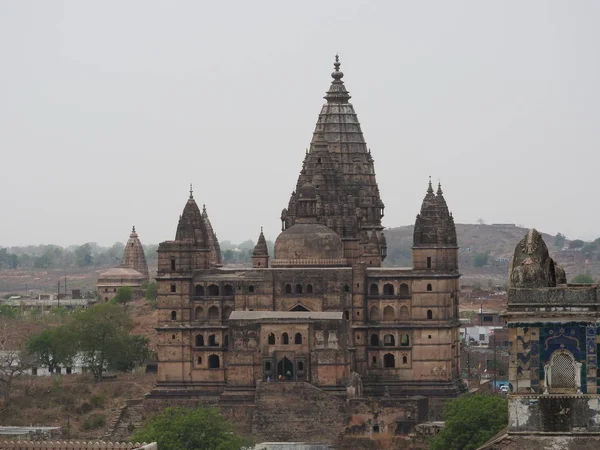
(108, 110)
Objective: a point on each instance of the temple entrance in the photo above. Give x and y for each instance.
(285, 368)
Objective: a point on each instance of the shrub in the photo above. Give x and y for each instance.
(94, 422)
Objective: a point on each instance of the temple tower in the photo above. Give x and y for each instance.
(260, 255)
(133, 255)
(337, 185)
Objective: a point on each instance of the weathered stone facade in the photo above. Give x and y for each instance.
(553, 344)
(323, 307)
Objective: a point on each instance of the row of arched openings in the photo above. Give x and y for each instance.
(389, 340)
(213, 361)
(213, 313)
(285, 339)
(389, 313)
(389, 360)
(212, 340)
(213, 290)
(388, 289)
(300, 289)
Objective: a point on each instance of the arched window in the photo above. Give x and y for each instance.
(300, 366)
(429, 287)
(199, 360)
(404, 360)
(228, 290)
(298, 338)
(374, 289)
(288, 288)
(346, 288)
(198, 313)
(226, 312)
(212, 341)
(404, 313)
(213, 313)
(429, 262)
(389, 361)
(271, 339)
(298, 289)
(267, 366)
(285, 339)
(226, 340)
(213, 362)
(389, 340)
(251, 289)
(374, 313)
(374, 340)
(388, 289)
(561, 373)
(198, 290)
(199, 340)
(173, 315)
(429, 314)
(388, 313)
(374, 360)
(309, 289)
(404, 291)
(213, 289)
(404, 340)
(172, 262)
(346, 314)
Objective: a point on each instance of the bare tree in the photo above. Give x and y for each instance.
(14, 360)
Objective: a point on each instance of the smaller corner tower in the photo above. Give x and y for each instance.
(435, 246)
(260, 255)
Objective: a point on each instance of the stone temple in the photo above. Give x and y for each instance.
(132, 272)
(321, 310)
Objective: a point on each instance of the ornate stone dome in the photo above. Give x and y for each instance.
(308, 244)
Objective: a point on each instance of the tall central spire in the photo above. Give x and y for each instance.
(337, 185)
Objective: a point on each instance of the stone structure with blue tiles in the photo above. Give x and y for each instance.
(553, 345)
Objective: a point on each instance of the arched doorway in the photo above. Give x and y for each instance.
(285, 368)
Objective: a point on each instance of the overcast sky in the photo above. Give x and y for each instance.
(108, 110)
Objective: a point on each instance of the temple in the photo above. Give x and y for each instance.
(322, 309)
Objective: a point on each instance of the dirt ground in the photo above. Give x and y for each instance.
(82, 408)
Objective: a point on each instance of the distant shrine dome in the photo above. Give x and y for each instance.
(306, 244)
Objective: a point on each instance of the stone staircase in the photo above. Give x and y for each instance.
(126, 421)
(296, 411)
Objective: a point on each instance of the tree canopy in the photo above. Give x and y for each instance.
(470, 421)
(184, 428)
(481, 259)
(582, 278)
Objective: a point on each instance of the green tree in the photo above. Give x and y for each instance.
(471, 420)
(83, 255)
(577, 243)
(481, 259)
(124, 295)
(53, 348)
(183, 429)
(100, 331)
(134, 351)
(559, 240)
(151, 292)
(582, 278)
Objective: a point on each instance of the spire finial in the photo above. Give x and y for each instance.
(261, 229)
(337, 74)
(191, 191)
(430, 188)
(439, 190)
(133, 229)
(204, 208)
